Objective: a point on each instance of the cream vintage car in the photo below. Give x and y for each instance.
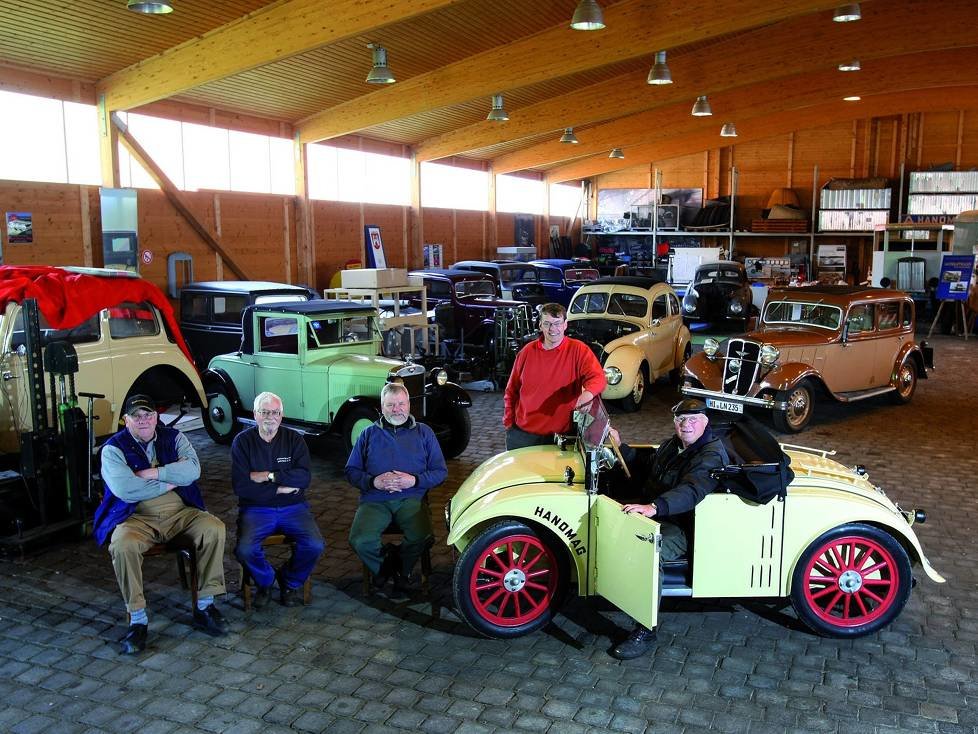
(839, 342)
(124, 348)
(784, 522)
(634, 326)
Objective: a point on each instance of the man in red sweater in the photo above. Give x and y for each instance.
(551, 377)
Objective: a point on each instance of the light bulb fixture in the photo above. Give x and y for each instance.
(497, 113)
(847, 13)
(853, 98)
(380, 73)
(659, 73)
(701, 107)
(569, 136)
(729, 130)
(587, 16)
(853, 65)
(616, 153)
(150, 8)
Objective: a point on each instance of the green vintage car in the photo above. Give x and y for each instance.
(528, 523)
(323, 359)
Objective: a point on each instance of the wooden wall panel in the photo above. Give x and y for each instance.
(470, 236)
(438, 230)
(338, 238)
(252, 232)
(969, 140)
(939, 142)
(763, 167)
(57, 223)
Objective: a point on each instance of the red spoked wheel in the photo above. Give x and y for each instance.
(852, 581)
(509, 580)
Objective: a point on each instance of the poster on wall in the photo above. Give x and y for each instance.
(20, 228)
(374, 246)
(955, 277)
(523, 230)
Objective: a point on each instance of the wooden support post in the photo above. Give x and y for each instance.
(493, 223)
(305, 242)
(108, 140)
(416, 250)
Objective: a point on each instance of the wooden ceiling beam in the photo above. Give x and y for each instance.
(792, 46)
(280, 30)
(635, 28)
(919, 100)
(912, 71)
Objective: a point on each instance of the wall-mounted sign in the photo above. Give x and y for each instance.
(146, 256)
(20, 228)
(955, 277)
(374, 246)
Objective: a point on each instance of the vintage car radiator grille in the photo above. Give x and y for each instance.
(412, 375)
(740, 366)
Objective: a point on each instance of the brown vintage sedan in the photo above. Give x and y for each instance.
(840, 342)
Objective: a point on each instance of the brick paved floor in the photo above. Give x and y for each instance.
(349, 664)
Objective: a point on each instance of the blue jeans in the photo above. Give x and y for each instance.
(372, 518)
(295, 521)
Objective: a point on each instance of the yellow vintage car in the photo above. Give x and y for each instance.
(784, 522)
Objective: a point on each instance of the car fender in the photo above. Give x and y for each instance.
(351, 403)
(555, 509)
(786, 376)
(452, 394)
(681, 343)
(628, 358)
(222, 378)
(909, 351)
(809, 516)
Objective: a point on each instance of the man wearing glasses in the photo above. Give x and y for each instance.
(679, 479)
(151, 496)
(552, 376)
(270, 472)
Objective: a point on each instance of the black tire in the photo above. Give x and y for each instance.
(676, 373)
(796, 416)
(359, 417)
(500, 602)
(459, 423)
(906, 382)
(833, 594)
(633, 401)
(218, 415)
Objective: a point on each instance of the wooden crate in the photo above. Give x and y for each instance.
(779, 225)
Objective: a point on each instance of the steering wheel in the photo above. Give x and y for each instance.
(621, 459)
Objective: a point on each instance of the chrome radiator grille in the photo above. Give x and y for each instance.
(740, 366)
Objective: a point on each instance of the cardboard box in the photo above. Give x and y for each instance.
(374, 278)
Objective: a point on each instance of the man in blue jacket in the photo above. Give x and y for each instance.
(394, 464)
(151, 496)
(270, 474)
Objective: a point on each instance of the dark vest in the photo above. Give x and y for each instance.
(113, 510)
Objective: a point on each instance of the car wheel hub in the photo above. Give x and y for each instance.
(514, 580)
(217, 413)
(850, 582)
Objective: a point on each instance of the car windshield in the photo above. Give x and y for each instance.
(581, 274)
(803, 314)
(718, 275)
(620, 304)
(517, 275)
(592, 424)
(475, 288)
(333, 330)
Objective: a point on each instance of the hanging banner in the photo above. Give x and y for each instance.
(955, 278)
(374, 246)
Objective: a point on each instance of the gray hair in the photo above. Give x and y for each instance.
(264, 397)
(391, 387)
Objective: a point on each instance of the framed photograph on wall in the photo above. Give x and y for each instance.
(20, 228)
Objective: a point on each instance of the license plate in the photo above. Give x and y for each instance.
(727, 405)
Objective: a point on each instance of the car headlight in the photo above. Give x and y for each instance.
(769, 354)
(612, 375)
(689, 306)
(736, 307)
(438, 376)
(711, 346)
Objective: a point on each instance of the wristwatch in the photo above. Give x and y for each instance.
(271, 476)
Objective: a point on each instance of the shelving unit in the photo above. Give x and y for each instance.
(411, 324)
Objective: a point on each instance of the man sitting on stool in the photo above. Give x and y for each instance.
(394, 463)
(151, 496)
(270, 474)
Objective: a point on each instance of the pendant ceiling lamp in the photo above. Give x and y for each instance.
(150, 8)
(659, 73)
(847, 13)
(587, 16)
(853, 65)
(497, 113)
(569, 136)
(701, 107)
(616, 153)
(380, 73)
(729, 130)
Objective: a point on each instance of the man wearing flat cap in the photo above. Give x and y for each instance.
(679, 479)
(151, 496)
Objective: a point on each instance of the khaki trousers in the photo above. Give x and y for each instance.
(159, 520)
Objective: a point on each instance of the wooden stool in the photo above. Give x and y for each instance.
(186, 556)
(246, 579)
(395, 529)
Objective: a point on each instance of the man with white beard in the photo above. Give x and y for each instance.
(270, 472)
(394, 464)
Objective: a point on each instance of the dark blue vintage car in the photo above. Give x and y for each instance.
(720, 294)
(562, 278)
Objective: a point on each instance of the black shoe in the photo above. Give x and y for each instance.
(289, 597)
(211, 621)
(639, 642)
(379, 580)
(135, 641)
(402, 588)
(263, 595)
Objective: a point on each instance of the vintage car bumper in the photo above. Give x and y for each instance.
(721, 397)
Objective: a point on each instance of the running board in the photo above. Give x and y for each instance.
(677, 591)
(851, 397)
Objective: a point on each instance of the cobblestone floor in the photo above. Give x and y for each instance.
(350, 664)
